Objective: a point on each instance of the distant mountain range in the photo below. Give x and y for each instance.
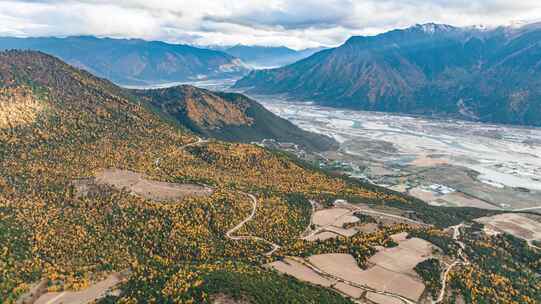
(134, 61)
(227, 116)
(490, 75)
(267, 56)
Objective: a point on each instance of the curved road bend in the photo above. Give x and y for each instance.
(456, 235)
(239, 225)
(249, 237)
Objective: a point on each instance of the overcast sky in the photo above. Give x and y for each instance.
(294, 23)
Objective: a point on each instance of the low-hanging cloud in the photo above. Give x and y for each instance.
(293, 23)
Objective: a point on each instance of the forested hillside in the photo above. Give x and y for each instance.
(60, 125)
(228, 116)
(82, 162)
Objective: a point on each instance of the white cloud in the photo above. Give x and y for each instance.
(294, 23)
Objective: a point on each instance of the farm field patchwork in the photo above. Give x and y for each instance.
(527, 227)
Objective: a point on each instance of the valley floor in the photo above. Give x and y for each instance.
(444, 162)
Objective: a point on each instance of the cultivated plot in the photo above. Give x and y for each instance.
(521, 226)
(138, 184)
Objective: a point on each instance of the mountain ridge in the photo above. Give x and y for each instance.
(228, 116)
(425, 69)
(268, 56)
(134, 61)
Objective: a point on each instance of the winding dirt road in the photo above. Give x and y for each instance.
(526, 209)
(229, 234)
(250, 237)
(390, 215)
(198, 142)
(463, 261)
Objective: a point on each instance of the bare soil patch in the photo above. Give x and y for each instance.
(341, 231)
(138, 184)
(423, 195)
(377, 277)
(299, 271)
(392, 269)
(338, 264)
(349, 290)
(521, 226)
(325, 235)
(455, 199)
(330, 216)
(383, 214)
(382, 299)
(87, 295)
(346, 219)
(405, 257)
(340, 220)
(461, 200)
(36, 291)
(331, 221)
(368, 228)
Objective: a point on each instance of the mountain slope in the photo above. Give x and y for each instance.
(486, 75)
(69, 127)
(228, 116)
(80, 159)
(266, 56)
(134, 61)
